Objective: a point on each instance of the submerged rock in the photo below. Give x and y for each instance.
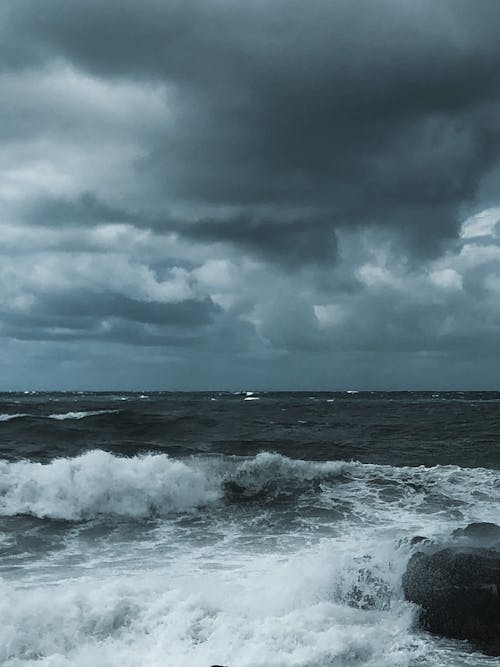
(457, 587)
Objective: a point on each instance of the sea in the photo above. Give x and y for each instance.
(244, 529)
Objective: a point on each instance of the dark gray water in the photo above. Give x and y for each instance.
(240, 529)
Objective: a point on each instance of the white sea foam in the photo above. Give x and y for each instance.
(436, 498)
(330, 602)
(4, 417)
(258, 611)
(80, 415)
(266, 468)
(255, 613)
(98, 483)
(58, 416)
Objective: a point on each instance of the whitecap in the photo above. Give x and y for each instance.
(98, 483)
(80, 415)
(6, 417)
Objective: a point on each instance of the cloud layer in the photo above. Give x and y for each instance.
(215, 194)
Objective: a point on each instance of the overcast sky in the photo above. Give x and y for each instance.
(255, 194)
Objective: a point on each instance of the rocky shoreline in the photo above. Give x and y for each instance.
(457, 585)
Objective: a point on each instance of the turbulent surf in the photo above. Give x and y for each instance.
(206, 529)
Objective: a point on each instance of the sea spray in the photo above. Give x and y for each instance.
(98, 483)
(189, 532)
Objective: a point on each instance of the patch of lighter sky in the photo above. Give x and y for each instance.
(329, 314)
(88, 135)
(446, 278)
(481, 224)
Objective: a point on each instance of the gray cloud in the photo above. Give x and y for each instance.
(85, 209)
(383, 115)
(101, 315)
(288, 242)
(251, 182)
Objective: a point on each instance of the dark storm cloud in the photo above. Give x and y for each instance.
(188, 313)
(376, 113)
(106, 316)
(247, 182)
(86, 209)
(287, 242)
(128, 333)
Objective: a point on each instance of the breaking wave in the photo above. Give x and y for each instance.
(4, 417)
(322, 605)
(81, 415)
(63, 416)
(99, 483)
(266, 615)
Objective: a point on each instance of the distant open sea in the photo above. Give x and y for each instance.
(239, 529)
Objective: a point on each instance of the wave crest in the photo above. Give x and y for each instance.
(80, 415)
(271, 475)
(98, 483)
(4, 417)
(62, 416)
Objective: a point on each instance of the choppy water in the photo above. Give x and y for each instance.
(198, 529)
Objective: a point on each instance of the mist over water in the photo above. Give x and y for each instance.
(199, 529)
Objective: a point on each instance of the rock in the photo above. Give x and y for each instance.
(480, 534)
(458, 587)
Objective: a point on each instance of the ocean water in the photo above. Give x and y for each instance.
(238, 529)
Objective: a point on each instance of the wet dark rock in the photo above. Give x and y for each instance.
(480, 534)
(413, 541)
(457, 587)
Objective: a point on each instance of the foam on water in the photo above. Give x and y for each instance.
(261, 611)
(4, 417)
(218, 557)
(253, 613)
(265, 469)
(98, 483)
(201, 589)
(81, 415)
(58, 416)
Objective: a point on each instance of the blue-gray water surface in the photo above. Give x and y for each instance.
(247, 529)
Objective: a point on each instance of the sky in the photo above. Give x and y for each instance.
(258, 194)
